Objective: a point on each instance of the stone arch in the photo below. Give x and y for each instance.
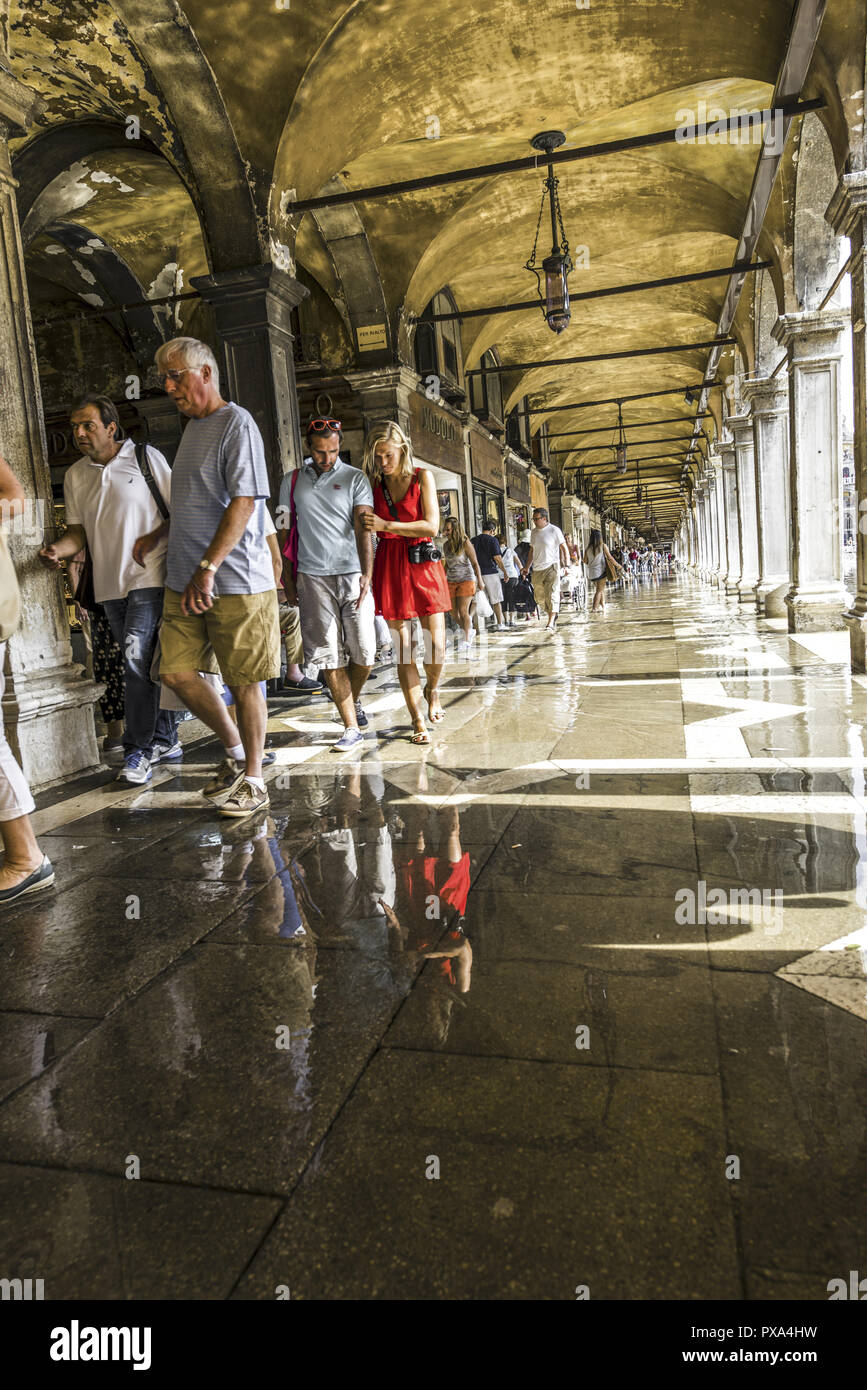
(817, 250)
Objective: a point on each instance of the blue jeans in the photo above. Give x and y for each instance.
(134, 621)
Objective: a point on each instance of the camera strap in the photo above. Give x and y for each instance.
(388, 502)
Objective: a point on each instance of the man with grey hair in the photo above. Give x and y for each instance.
(550, 554)
(221, 598)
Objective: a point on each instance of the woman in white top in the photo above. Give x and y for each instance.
(512, 567)
(596, 557)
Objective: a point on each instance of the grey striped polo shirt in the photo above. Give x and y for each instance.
(220, 457)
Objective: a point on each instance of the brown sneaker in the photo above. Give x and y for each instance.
(245, 800)
(227, 779)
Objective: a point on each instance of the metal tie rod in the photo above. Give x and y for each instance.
(501, 369)
(739, 268)
(680, 135)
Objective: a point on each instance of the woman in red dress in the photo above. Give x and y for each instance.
(406, 513)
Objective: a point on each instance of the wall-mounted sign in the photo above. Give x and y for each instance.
(517, 482)
(437, 436)
(372, 336)
(487, 459)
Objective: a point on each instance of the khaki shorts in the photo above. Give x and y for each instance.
(241, 630)
(334, 631)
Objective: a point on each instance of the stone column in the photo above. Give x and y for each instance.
(769, 402)
(732, 525)
(252, 309)
(719, 516)
(718, 537)
(745, 465)
(847, 213)
(48, 704)
(708, 531)
(816, 597)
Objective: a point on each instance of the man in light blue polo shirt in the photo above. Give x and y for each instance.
(335, 562)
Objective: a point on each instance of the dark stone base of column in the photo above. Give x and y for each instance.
(51, 724)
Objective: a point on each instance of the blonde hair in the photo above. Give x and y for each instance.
(456, 538)
(386, 432)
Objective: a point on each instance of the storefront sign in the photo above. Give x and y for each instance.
(487, 460)
(517, 482)
(372, 336)
(437, 437)
(538, 491)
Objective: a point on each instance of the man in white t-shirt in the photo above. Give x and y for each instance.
(550, 555)
(109, 503)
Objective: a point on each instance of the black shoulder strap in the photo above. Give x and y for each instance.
(141, 454)
(388, 502)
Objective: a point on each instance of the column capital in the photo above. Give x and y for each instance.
(811, 332)
(241, 297)
(849, 202)
(767, 395)
(727, 454)
(19, 105)
(741, 426)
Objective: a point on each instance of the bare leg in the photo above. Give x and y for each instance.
(339, 684)
(252, 713)
(204, 702)
(407, 673)
(464, 620)
(23, 855)
(358, 678)
(498, 612)
(434, 625)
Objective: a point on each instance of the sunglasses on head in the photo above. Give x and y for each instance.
(317, 426)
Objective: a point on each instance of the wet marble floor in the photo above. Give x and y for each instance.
(574, 997)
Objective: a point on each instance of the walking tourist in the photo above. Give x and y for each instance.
(550, 555)
(322, 507)
(463, 575)
(409, 579)
(513, 573)
(25, 869)
(221, 600)
(489, 556)
(114, 494)
(596, 558)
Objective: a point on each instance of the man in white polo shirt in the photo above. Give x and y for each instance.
(335, 563)
(109, 502)
(550, 552)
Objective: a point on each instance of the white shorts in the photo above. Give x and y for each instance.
(334, 632)
(15, 797)
(493, 587)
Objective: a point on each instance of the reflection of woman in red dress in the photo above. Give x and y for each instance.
(406, 513)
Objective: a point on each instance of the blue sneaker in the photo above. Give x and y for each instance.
(351, 739)
(361, 717)
(136, 769)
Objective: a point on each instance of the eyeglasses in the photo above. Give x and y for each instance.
(174, 375)
(317, 426)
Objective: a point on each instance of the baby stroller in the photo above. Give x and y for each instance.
(525, 598)
(572, 587)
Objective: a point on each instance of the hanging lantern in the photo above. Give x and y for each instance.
(556, 266)
(620, 460)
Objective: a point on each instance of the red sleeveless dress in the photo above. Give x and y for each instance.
(402, 590)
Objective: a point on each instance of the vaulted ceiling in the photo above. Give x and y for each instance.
(179, 138)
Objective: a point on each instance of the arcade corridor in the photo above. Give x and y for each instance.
(577, 1076)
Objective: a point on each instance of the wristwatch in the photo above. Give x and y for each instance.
(207, 565)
